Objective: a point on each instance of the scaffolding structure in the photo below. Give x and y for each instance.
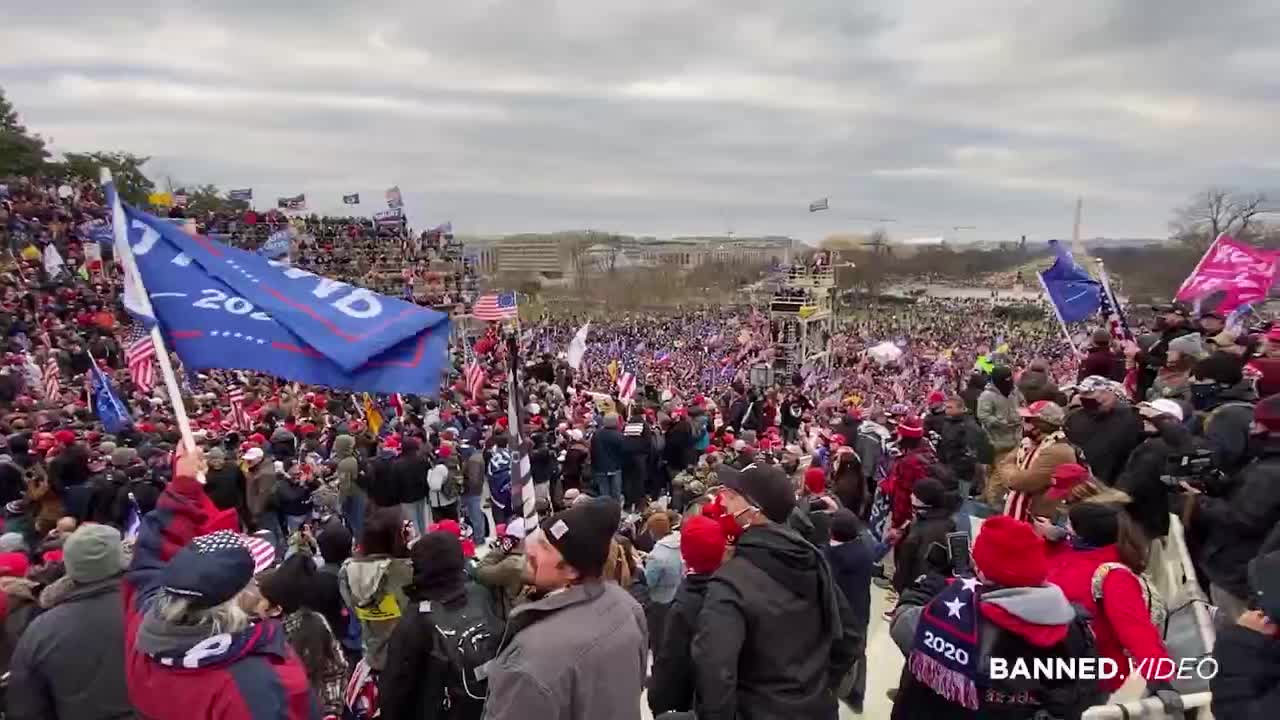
(802, 318)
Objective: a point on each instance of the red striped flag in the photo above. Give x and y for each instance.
(475, 380)
(626, 386)
(240, 419)
(141, 355)
(52, 386)
(495, 306)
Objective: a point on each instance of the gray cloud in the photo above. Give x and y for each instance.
(676, 116)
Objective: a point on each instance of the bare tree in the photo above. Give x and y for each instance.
(1218, 210)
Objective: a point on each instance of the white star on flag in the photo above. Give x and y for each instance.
(970, 584)
(953, 607)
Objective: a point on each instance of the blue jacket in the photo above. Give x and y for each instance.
(664, 569)
(608, 450)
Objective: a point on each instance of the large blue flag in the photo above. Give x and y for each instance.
(110, 411)
(222, 307)
(1070, 289)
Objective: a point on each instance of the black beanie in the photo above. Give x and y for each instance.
(845, 526)
(583, 532)
(1098, 524)
(437, 562)
(290, 584)
(930, 492)
(335, 542)
(1222, 368)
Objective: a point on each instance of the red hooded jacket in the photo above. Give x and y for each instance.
(241, 676)
(1123, 623)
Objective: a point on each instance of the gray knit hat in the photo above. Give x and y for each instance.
(93, 553)
(1191, 345)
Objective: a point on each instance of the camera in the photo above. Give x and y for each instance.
(1197, 468)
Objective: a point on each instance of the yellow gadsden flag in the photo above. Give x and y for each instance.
(613, 371)
(371, 415)
(160, 199)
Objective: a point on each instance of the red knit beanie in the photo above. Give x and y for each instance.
(815, 480)
(702, 544)
(1009, 553)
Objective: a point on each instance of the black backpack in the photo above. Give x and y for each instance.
(469, 637)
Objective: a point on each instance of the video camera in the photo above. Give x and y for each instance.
(1198, 468)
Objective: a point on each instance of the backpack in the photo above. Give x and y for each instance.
(452, 486)
(1150, 596)
(470, 637)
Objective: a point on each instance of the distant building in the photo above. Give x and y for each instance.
(547, 255)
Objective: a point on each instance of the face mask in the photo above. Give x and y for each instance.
(1090, 404)
(1004, 386)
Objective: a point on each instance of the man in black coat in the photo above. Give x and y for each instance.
(1237, 525)
(419, 681)
(1104, 427)
(678, 449)
(1172, 322)
(803, 637)
(1224, 402)
(1141, 478)
(702, 545)
(962, 443)
(1247, 685)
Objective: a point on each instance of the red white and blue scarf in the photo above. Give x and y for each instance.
(944, 655)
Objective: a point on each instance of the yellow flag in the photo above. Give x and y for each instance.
(160, 199)
(30, 253)
(371, 415)
(613, 371)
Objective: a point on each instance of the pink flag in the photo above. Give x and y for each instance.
(1242, 272)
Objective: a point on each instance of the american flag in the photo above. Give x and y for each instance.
(492, 307)
(626, 386)
(51, 385)
(1115, 318)
(141, 354)
(240, 419)
(475, 380)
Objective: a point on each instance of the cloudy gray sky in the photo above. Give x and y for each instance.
(676, 116)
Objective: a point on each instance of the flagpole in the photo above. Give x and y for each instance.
(157, 341)
(1111, 298)
(1058, 314)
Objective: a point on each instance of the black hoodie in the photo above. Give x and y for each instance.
(802, 635)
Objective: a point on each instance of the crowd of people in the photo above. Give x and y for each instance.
(706, 546)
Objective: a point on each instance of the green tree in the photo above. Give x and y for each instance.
(126, 172)
(208, 198)
(21, 152)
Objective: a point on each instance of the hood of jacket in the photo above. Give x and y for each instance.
(170, 644)
(1039, 615)
(344, 446)
(367, 578)
(671, 540)
(66, 590)
(20, 587)
(784, 556)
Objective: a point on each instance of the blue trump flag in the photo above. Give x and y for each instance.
(1073, 293)
(222, 307)
(276, 246)
(110, 411)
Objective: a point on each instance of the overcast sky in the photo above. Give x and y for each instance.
(676, 116)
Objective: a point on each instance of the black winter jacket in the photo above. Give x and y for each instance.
(912, 555)
(1106, 439)
(775, 635)
(1141, 477)
(851, 567)
(1247, 686)
(418, 677)
(1237, 526)
(409, 473)
(671, 687)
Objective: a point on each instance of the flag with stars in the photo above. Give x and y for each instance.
(944, 655)
(141, 355)
(220, 307)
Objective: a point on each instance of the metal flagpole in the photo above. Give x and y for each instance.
(162, 353)
(1058, 314)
